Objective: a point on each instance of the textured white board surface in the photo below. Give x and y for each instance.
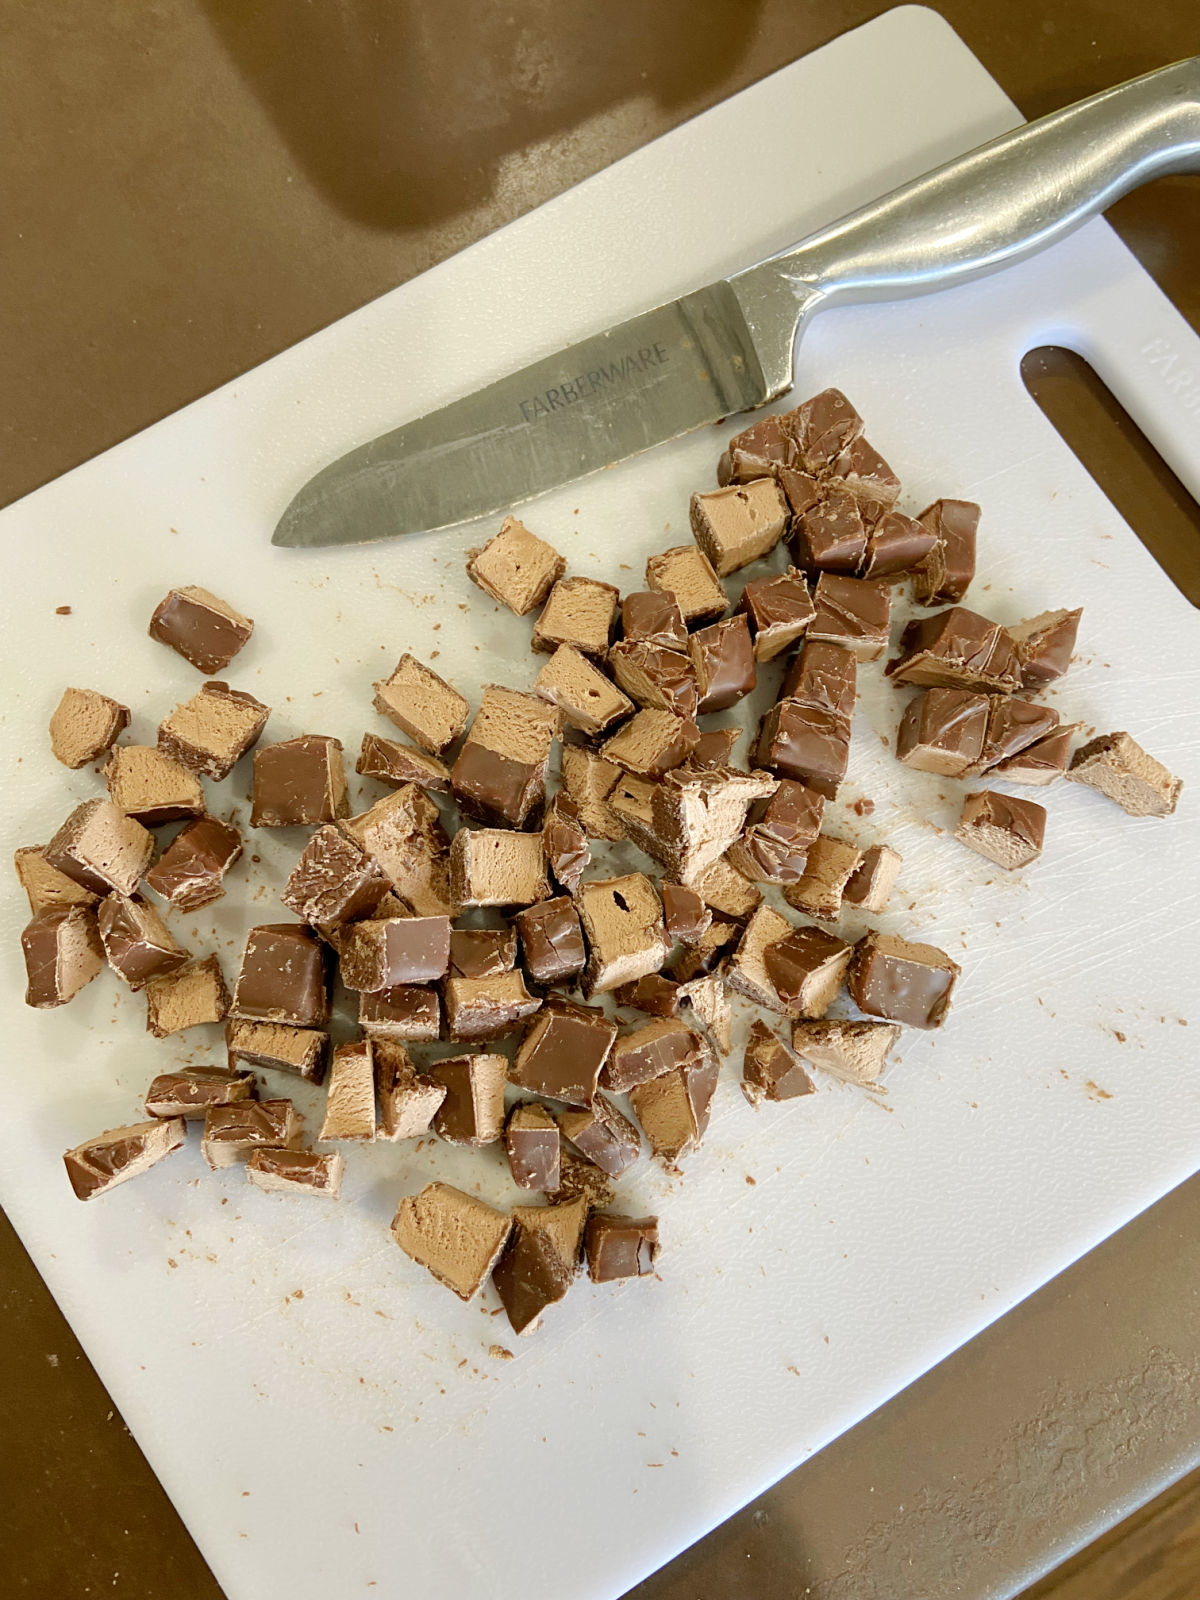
(329, 1421)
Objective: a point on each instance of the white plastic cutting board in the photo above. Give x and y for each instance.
(329, 1421)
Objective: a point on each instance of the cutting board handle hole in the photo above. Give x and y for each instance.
(1093, 422)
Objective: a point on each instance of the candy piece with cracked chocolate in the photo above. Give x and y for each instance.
(298, 782)
(943, 731)
(565, 842)
(408, 1101)
(404, 833)
(45, 886)
(854, 1052)
(552, 940)
(723, 659)
(204, 630)
(487, 1008)
(150, 787)
(945, 574)
(602, 1134)
(685, 572)
(1004, 828)
(778, 834)
(473, 1110)
(482, 952)
(714, 748)
(563, 1052)
(279, 1046)
(651, 743)
(620, 1247)
(63, 953)
(100, 1164)
(869, 887)
(739, 523)
(297, 1172)
(623, 922)
(1118, 767)
(500, 774)
(386, 952)
(587, 699)
(674, 1109)
(562, 1223)
(211, 732)
(390, 762)
(896, 546)
(828, 868)
(651, 616)
(529, 1276)
(516, 567)
(822, 428)
(747, 971)
(957, 649)
(801, 490)
(1044, 645)
(653, 994)
(580, 612)
(191, 1090)
(769, 1069)
(1013, 725)
(283, 977)
(84, 725)
(1040, 763)
(696, 816)
(647, 1052)
(707, 1000)
(422, 705)
(589, 780)
(191, 870)
(822, 675)
(334, 881)
(853, 614)
(350, 1096)
(778, 609)
(863, 472)
(807, 969)
(723, 888)
(902, 981)
(655, 676)
(407, 1012)
(756, 452)
(186, 997)
(452, 1235)
(233, 1130)
(136, 941)
(831, 535)
(532, 1144)
(704, 957)
(497, 867)
(686, 917)
(582, 1180)
(806, 743)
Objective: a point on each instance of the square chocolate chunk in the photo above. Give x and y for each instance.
(828, 868)
(957, 649)
(487, 1008)
(696, 816)
(622, 919)
(283, 977)
(723, 658)
(756, 452)
(562, 1053)
(943, 731)
(580, 612)
(516, 567)
(422, 705)
(807, 743)
(210, 732)
(747, 972)
(334, 881)
(902, 981)
(620, 1247)
(945, 574)
(497, 867)
(100, 1164)
(408, 1101)
(865, 474)
(45, 886)
(896, 546)
(649, 616)
(186, 997)
(1040, 763)
(807, 969)
(298, 782)
(686, 916)
(190, 1091)
(723, 887)
(473, 1110)
(500, 773)
(648, 1052)
(587, 699)
(779, 610)
(1118, 767)
(588, 781)
(1005, 829)
(233, 1130)
(651, 743)
(136, 940)
(531, 1141)
(674, 1109)
(655, 676)
(738, 524)
(822, 675)
(769, 1069)
(854, 1052)
(685, 572)
(63, 953)
(296, 1172)
(1012, 725)
(529, 1276)
(393, 763)
(279, 1046)
(350, 1097)
(870, 885)
(1044, 645)
(84, 726)
(204, 630)
(552, 940)
(151, 788)
(383, 953)
(404, 1013)
(831, 536)
(853, 614)
(404, 834)
(454, 1236)
(603, 1135)
(565, 842)
(822, 428)
(191, 870)
(778, 834)
(482, 952)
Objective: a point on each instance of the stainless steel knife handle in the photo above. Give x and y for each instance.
(993, 206)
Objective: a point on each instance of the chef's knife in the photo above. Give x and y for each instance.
(730, 347)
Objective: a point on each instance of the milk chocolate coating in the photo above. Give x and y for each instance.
(779, 831)
(101, 849)
(563, 1052)
(943, 731)
(473, 1110)
(650, 1051)
(769, 1069)
(482, 952)
(1004, 828)
(334, 880)
(823, 675)
(280, 1046)
(822, 428)
(63, 953)
(1012, 726)
(532, 1142)
(529, 1276)
(651, 616)
(203, 633)
(778, 609)
(486, 1008)
(620, 1247)
(863, 472)
(495, 788)
(723, 656)
(401, 1013)
(714, 748)
(655, 675)
(120, 1154)
(298, 782)
(396, 764)
(190, 871)
(945, 574)
(687, 917)
(283, 977)
(392, 951)
(655, 995)
(136, 942)
(793, 961)
(904, 982)
(190, 1091)
(957, 649)
(756, 452)
(852, 613)
(800, 489)
(896, 544)
(1044, 646)
(210, 733)
(806, 743)
(565, 842)
(830, 536)
(602, 1134)
(552, 940)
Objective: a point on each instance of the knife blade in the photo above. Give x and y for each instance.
(730, 347)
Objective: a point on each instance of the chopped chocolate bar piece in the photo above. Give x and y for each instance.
(902, 981)
(655, 676)
(708, 1001)
(350, 1097)
(454, 1236)
(651, 743)
(723, 887)
(620, 1247)
(473, 1110)
(500, 774)
(943, 731)
(650, 616)
(622, 919)
(801, 490)
(674, 1109)
(758, 450)
(807, 969)
(696, 816)
(299, 781)
(779, 609)
(587, 699)
(945, 574)
(565, 842)
(531, 1141)
(1118, 767)
(516, 567)
(686, 916)
(84, 725)
(822, 675)
(580, 612)
(806, 743)
(100, 1164)
(588, 781)
(779, 831)
(582, 1180)
(334, 881)
(649, 1051)
(870, 885)
(562, 1053)
(1013, 724)
(404, 833)
(280, 1046)
(714, 748)
(853, 614)
(865, 474)
(186, 997)
(408, 1102)
(738, 524)
(529, 1276)
(654, 994)
(190, 872)
(383, 953)
(552, 940)
(233, 1130)
(1044, 645)
(957, 649)
(632, 804)
(1039, 763)
(282, 978)
(204, 630)
(685, 572)
(497, 867)
(296, 1172)
(828, 868)
(831, 536)
(136, 940)
(708, 953)
(422, 705)
(151, 788)
(769, 1069)
(63, 953)
(561, 1223)
(190, 1091)
(896, 546)
(603, 1135)
(44, 885)
(487, 1008)
(404, 1013)
(822, 428)
(210, 732)
(1005, 829)
(393, 763)
(482, 952)
(723, 658)
(855, 1052)
(747, 972)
